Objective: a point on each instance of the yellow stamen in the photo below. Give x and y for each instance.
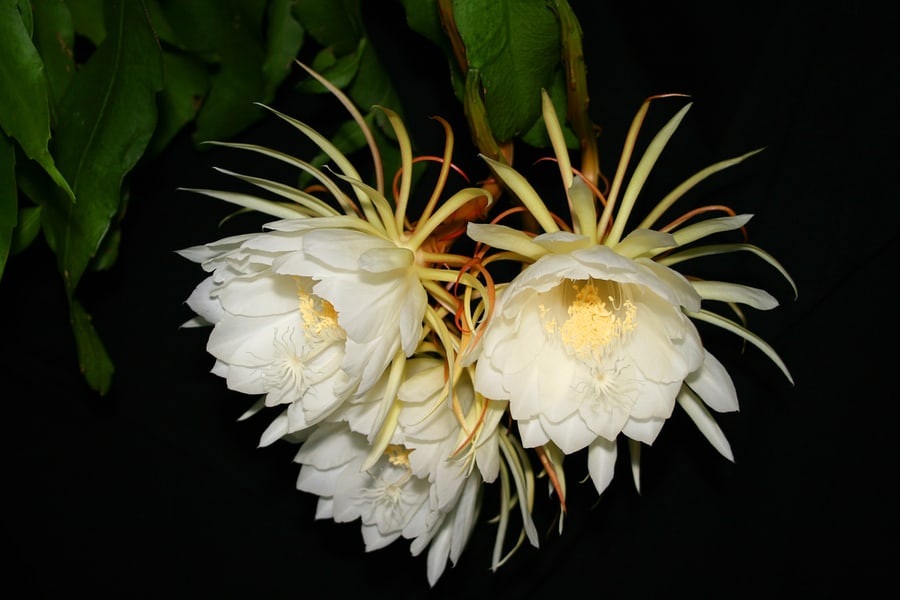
(595, 324)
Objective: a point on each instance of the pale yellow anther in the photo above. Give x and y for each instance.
(318, 315)
(398, 455)
(595, 324)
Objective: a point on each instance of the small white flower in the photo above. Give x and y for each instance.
(388, 498)
(424, 483)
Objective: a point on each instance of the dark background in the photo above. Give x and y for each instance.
(157, 490)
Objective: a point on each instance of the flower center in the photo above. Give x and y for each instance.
(398, 455)
(599, 316)
(319, 317)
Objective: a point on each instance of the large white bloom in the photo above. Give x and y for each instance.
(594, 338)
(316, 308)
(590, 344)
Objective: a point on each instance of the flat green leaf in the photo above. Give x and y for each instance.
(339, 70)
(425, 19)
(54, 38)
(186, 84)
(537, 136)
(284, 38)
(87, 16)
(24, 105)
(93, 359)
(28, 226)
(8, 198)
(373, 87)
(106, 120)
(25, 10)
(515, 46)
(164, 30)
(336, 24)
(227, 35)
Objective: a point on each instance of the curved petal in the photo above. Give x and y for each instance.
(714, 385)
(705, 422)
(602, 462)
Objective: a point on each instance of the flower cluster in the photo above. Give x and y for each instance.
(412, 376)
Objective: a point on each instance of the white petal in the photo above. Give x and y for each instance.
(330, 446)
(339, 249)
(602, 462)
(202, 302)
(374, 539)
(705, 422)
(464, 516)
(714, 385)
(696, 231)
(277, 429)
(735, 292)
(438, 551)
(259, 296)
(249, 341)
(644, 430)
(571, 435)
(383, 260)
(644, 241)
(560, 242)
(531, 432)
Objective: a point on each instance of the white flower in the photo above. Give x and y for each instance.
(594, 338)
(315, 309)
(387, 497)
(271, 334)
(425, 482)
(372, 284)
(589, 344)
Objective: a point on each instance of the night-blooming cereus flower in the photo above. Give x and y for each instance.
(594, 337)
(271, 336)
(316, 308)
(425, 483)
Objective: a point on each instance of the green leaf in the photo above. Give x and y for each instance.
(373, 87)
(93, 359)
(339, 70)
(284, 38)
(8, 199)
(186, 84)
(228, 37)
(335, 24)
(24, 107)
(88, 19)
(25, 10)
(54, 38)
(537, 136)
(424, 17)
(515, 46)
(106, 120)
(27, 229)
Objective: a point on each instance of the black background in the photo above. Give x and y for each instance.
(157, 490)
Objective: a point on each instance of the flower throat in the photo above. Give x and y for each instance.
(599, 316)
